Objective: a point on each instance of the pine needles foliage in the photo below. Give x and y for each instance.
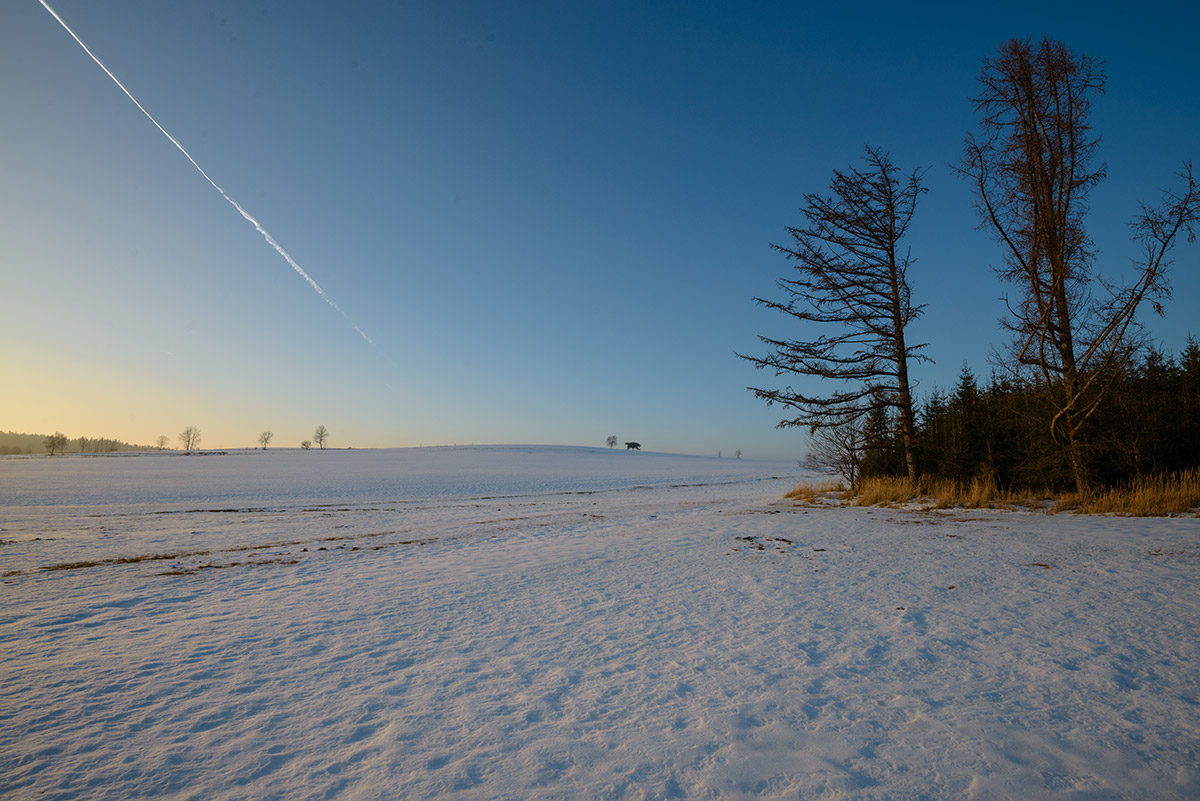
(986, 445)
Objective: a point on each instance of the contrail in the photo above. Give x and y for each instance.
(257, 225)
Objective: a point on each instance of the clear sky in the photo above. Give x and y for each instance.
(549, 217)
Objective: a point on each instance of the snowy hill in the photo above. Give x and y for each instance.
(558, 623)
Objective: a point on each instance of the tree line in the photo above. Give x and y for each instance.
(1079, 398)
(13, 443)
(1149, 424)
(189, 439)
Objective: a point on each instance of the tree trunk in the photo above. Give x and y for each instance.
(1079, 470)
(907, 423)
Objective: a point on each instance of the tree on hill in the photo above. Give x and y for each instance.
(321, 436)
(56, 443)
(189, 438)
(265, 438)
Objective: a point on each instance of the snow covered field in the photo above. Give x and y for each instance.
(559, 623)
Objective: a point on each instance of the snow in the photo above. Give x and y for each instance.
(569, 623)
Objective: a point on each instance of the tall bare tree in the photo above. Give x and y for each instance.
(853, 285)
(265, 438)
(321, 436)
(1032, 165)
(189, 438)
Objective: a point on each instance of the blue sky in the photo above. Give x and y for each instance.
(549, 217)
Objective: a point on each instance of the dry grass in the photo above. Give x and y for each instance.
(1154, 496)
(885, 491)
(981, 491)
(811, 492)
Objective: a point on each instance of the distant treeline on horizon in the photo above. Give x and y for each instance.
(12, 442)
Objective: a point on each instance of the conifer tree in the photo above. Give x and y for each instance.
(852, 296)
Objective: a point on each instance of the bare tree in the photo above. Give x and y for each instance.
(853, 284)
(837, 449)
(1032, 165)
(321, 436)
(611, 441)
(56, 443)
(162, 442)
(306, 444)
(189, 438)
(265, 438)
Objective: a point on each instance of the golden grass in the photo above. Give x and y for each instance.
(810, 492)
(1152, 496)
(885, 491)
(1155, 496)
(981, 491)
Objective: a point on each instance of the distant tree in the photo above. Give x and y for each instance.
(1032, 166)
(738, 453)
(162, 442)
(306, 444)
(321, 436)
(265, 438)
(189, 438)
(85, 445)
(633, 446)
(611, 441)
(56, 443)
(853, 285)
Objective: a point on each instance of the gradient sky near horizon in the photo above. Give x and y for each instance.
(550, 217)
